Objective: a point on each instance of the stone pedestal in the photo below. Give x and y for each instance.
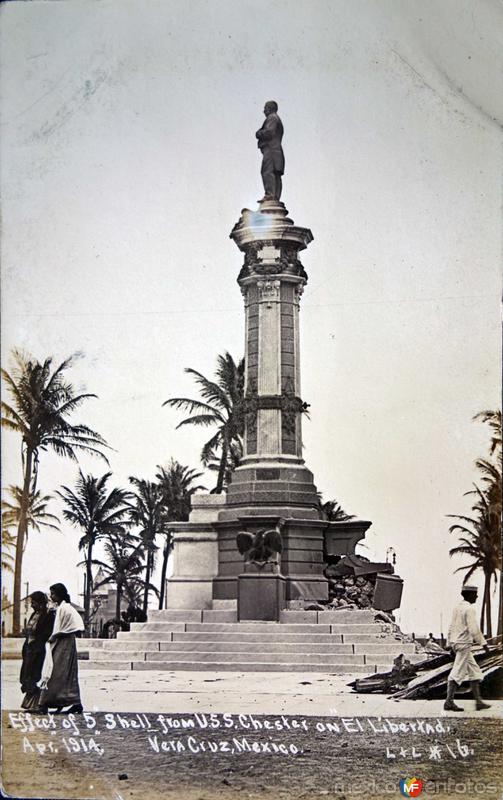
(195, 555)
(301, 562)
(261, 592)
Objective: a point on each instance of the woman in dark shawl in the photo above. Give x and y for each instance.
(38, 629)
(60, 678)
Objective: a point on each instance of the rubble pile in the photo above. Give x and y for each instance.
(349, 592)
(352, 581)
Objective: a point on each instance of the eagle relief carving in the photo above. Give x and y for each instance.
(262, 547)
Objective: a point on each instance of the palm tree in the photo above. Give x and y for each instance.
(492, 477)
(37, 516)
(177, 487)
(124, 566)
(493, 419)
(221, 406)
(481, 532)
(148, 512)
(42, 402)
(491, 470)
(234, 456)
(98, 513)
(480, 540)
(333, 511)
(8, 542)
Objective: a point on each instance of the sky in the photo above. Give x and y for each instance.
(128, 152)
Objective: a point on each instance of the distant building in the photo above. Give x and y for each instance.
(6, 614)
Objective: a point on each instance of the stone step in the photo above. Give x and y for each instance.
(244, 646)
(126, 644)
(146, 626)
(190, 615)
(175, 615)
(353, 616)
(287, 616)
(253, 627)
(12, 647)
(260, 638)
(228, 627)
(226, 611)
(281, 647)
(146, 635)
(384, 661)
(354, 638)
(356, 616)
(226, 666)
(266, 627)
(121, 655)
(199, 657)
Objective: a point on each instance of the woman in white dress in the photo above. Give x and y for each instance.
(60, 677)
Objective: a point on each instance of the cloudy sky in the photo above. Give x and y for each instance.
(128, 152)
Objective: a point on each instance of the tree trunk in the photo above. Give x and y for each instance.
(118, 601)
(500, 599)
(222, 468)
(500, 607)
(147, 580)
(21, 537)
(89, 584)
(165, 556)
(487, 598)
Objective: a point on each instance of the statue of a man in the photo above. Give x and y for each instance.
(269, 138)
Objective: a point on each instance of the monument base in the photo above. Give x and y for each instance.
(300, 587)
(189, 593)
(261, 592)
(302, 558)
(195, 555)
(207, 564)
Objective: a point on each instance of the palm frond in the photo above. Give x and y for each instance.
(211, 391)
(222, 406)
(200, 419)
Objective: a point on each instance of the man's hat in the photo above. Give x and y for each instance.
(469, 588)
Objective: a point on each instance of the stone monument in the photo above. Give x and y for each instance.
(272, 488)
(269, 138)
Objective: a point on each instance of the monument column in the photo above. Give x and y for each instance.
(272, 476)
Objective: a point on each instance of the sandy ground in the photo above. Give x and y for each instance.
(285, 735)
(235, 692)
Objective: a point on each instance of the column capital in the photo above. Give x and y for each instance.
(270, 242)
(269, 291)
(268, 226)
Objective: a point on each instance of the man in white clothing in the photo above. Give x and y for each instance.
(464, 632)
